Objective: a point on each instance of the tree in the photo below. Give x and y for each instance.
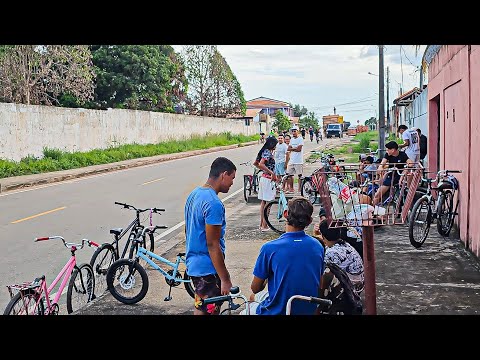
(309, 120)
(40, 74)
(281, 122)
(299, 110)
(213, 88)
(140, 77)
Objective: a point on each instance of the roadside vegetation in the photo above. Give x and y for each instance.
(55, 159)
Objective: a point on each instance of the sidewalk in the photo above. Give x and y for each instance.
(439, 278)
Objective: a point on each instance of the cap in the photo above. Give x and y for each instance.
(363, 156)
(294, 127)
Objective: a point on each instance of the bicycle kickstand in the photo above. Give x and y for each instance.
(168, 297)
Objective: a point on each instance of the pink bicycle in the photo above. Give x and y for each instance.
(34, 298)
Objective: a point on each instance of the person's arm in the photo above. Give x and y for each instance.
(265, 169)
(213, 234)
(258, 284)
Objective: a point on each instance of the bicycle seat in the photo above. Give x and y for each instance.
(234, 290)
(116, 231)
(181, 254)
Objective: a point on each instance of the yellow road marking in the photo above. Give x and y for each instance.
(43, 213)
(149, 182)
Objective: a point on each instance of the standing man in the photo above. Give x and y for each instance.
(290, 265)
(423, 144)
(280, 155)
(204, 231)
(411, 142)
(295, 164)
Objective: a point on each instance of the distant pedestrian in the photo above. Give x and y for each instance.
(423, 144)
(205, 224)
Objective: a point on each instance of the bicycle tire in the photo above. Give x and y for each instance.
(308, 191)
(417, 209)
(445, 207)
(189, 285)
(270, 214)
(100, 262)
(247, 187)
(82, 282)
(133, 268)
(31, 295)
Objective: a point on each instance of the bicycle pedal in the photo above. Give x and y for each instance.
(167, 298)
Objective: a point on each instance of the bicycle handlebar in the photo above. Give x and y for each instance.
(246, 163)
(127, 206)
(67, 244)
(152, 229)
(311, 299)
(234, 293)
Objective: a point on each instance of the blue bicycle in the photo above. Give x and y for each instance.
(127, 280)
(273, 211)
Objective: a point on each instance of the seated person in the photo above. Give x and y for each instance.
(351, 235)
(341, 253)
(393, 157)
(290, 265)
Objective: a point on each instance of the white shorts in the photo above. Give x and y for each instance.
(266, 189)
(252, 306)
(295, 169)
(414, 157)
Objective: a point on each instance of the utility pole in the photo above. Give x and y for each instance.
(388, 102)
(381, 104)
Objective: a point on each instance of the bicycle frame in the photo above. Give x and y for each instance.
(147, 255)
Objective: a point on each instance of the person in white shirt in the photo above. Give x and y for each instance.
(295, 164)
(280, 155)
(411, 142)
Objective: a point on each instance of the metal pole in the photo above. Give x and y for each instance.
(388, 102)
(369, 271)
(381, 104)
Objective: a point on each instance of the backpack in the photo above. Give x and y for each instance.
(341, 292)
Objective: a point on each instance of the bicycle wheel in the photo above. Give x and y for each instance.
(247, 187)
(420, 220)
(81, 288)
(127, 281)
(274, 219)
(101, 260)
(189, 285)
(25, 305)
(445, 212)
(308, 191)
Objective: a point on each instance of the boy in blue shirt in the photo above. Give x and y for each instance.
(204, 231)
(290, 265)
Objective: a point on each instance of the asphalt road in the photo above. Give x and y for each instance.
(84, 208)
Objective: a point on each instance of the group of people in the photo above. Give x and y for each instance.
(278, 156)
(294, 264)
(414, 148)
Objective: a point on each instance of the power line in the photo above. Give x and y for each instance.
(352, 102)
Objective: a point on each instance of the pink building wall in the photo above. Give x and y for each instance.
(453, 116)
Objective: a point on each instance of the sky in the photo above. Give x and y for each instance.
(321, 77)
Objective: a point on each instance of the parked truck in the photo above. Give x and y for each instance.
(329, 119)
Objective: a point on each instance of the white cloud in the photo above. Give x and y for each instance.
(322, 76)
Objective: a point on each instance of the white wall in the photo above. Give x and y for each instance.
(26, 129)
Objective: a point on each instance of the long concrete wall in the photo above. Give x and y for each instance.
(27, 129)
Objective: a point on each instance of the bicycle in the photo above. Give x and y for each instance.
(274, 218)
(251, 182)
(229, 299)
(128, 288)
(34, 298)
(108, 253)
(311, 299)
(429, 208)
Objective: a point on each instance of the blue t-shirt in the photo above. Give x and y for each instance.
(203, 206)
(293, 265)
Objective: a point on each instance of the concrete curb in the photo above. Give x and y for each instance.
(19, 182)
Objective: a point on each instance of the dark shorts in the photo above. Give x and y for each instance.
(205, 287)
(388, 180)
